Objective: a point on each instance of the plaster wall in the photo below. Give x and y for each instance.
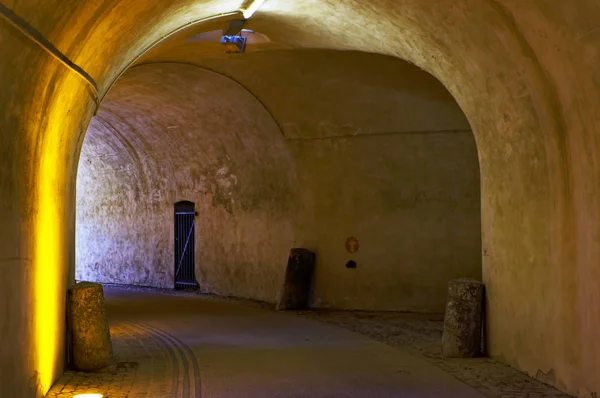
(411, 194)
(37, 209)
(384, 154)
(526, 74)
(174, 132)
(411, 200)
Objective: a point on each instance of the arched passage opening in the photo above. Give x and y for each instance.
(172, 132)
(352, 144)
(505, 64)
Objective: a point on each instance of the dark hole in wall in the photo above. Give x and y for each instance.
(351, 264)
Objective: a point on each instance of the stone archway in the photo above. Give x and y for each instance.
(504, 63)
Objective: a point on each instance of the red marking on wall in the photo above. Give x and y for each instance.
(352, 244)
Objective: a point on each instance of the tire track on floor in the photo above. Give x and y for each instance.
(169, 348)
(186, 354)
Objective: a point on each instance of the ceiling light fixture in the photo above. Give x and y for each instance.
(232, 38)
(251, 8)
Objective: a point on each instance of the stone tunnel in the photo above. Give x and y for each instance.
(443, 139)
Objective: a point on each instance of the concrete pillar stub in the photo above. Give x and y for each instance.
(91, 343)
(463, 320)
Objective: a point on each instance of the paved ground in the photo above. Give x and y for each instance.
(421, 334)
(185, 345)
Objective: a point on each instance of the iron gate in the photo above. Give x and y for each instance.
(185, 244)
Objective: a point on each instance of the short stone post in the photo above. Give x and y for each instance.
(463, 320)
(298, 278)
(91, 344)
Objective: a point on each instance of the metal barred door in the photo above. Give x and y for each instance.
(185, 245)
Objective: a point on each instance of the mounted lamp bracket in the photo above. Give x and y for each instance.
(232, 38)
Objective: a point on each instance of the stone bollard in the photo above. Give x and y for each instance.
(91, 344)
(463, 320)
(298, 278)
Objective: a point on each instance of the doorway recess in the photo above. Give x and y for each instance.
(185, 245)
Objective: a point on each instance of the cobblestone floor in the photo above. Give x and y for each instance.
(144, 368)
(153, 364)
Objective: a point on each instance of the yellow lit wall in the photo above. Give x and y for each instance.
(45, 115)
(54, 170)
(49, 250)
(526, 74)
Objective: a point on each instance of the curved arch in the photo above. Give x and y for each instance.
(193, 24)
(539, 172)
(198, 136)
(351, 111)
(184, 205)
(266, 108)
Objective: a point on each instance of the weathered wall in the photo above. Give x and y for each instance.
(412, 201)
(175, 132)
(37, 209)
(400, 172)
(45, 113)
(383, 154)
(526, 74)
